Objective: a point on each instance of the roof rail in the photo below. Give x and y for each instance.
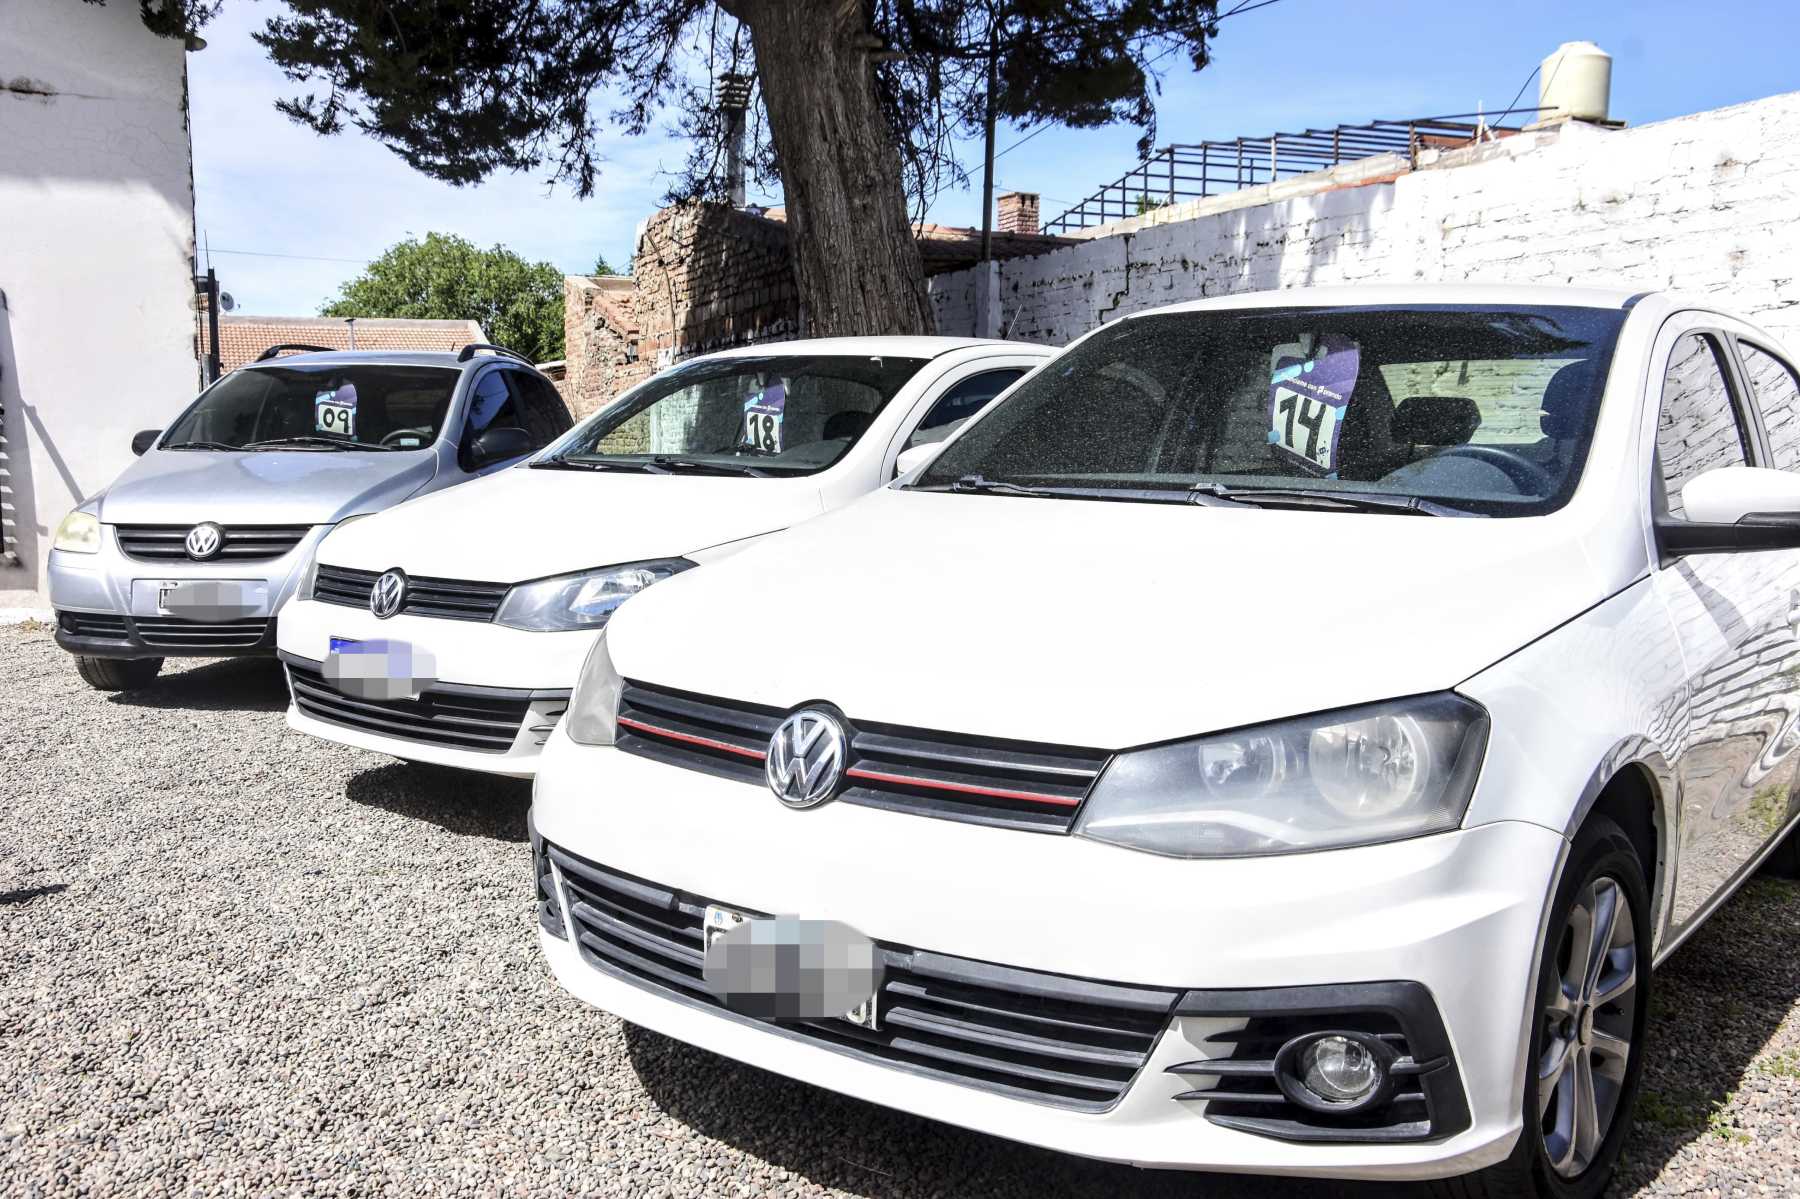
(272, 351)
(468, 352)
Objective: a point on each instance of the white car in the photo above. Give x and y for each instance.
(1280, 736)
(450, 630)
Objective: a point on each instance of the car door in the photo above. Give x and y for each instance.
(504, 397)
(1735, 616)
(953, 401)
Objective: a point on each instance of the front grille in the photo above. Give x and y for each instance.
(1014, 784)
(1044, 1037)
(109, 625)
(450, 599)
(168, 632)
(242, 543)
(488, 724)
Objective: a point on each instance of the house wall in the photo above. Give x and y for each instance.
(96, 246)
(1705, 204)
(710, 278)
(704, 277)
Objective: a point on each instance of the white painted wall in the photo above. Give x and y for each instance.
(1707, 204)
(96, 248)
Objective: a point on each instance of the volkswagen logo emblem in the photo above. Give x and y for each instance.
(388, 593)
(806, 758)
(204, 541)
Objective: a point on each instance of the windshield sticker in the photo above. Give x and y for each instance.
(762, 419)
(334, 411)
(1310, 384)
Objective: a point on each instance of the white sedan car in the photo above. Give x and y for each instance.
(1281, 736)
(450, 630)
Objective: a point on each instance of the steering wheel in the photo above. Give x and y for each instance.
(1526, 475)
(422, 432)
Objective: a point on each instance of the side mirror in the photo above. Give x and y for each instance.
(1734, 509)
(143, 441)
(497, 445)
(913, 458)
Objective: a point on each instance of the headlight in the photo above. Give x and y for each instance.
(582, 601)
(79, 533)
(1351, 777)
(593, 716)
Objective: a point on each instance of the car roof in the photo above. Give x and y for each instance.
(897, 347)
(1383, 294)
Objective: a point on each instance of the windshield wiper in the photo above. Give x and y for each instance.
(1327, 501)
(312, 440)
(203, 445)
(673, 462)
(599, 464)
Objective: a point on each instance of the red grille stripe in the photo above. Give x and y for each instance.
(705, 742)
(904, 780)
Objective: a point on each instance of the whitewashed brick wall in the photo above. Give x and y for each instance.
(1707, 204)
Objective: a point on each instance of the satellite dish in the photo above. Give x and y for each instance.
(226, 303)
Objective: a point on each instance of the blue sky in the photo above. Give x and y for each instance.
(299, 213)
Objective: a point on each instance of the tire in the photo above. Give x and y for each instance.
(117, 674)
(1602, 862)
(1784, 860)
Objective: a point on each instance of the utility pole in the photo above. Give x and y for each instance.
(987, 135)
(209, 288)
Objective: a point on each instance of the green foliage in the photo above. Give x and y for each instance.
(601, 267)
(445, 277)
(1149, 203)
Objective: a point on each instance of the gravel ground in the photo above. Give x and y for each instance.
(237, 961)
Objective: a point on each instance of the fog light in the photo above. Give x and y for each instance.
(1339, 1070)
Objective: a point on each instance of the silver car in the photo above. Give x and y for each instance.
(194, 547)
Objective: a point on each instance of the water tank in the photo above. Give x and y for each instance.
(1575, 81)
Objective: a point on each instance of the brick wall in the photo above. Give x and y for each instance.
(704, 277)
(1704, 204)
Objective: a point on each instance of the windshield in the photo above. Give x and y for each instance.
(1440, 409)
(363, 407)
(763, 415)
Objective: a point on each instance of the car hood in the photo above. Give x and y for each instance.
(527, 523)
(1103, 624)
(266, 487)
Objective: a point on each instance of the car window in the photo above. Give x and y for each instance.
(491, 404)
(1484, 409)
(1778, 395)
(1699, 428)
(960, 403)
(775, 414)
(546, 416)
(360, 407)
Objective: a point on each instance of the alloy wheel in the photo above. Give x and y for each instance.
(1587, 1027)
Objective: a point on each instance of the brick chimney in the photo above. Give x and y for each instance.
(1018, 212)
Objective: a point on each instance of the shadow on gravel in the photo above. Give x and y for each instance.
(235, 684)
(464, 802)
(859, 1147)
(28, 894)
(1717, 1003)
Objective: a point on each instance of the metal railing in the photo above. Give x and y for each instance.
(1193, 171)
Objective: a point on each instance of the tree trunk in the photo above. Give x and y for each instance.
(855, 261)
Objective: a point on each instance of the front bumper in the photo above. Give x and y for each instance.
(106, 608)
(1458, 914)
(484, 661)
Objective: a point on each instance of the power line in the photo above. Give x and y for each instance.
(296, 257)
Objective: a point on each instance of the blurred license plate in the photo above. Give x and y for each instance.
(343, 643)
(782, 967)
